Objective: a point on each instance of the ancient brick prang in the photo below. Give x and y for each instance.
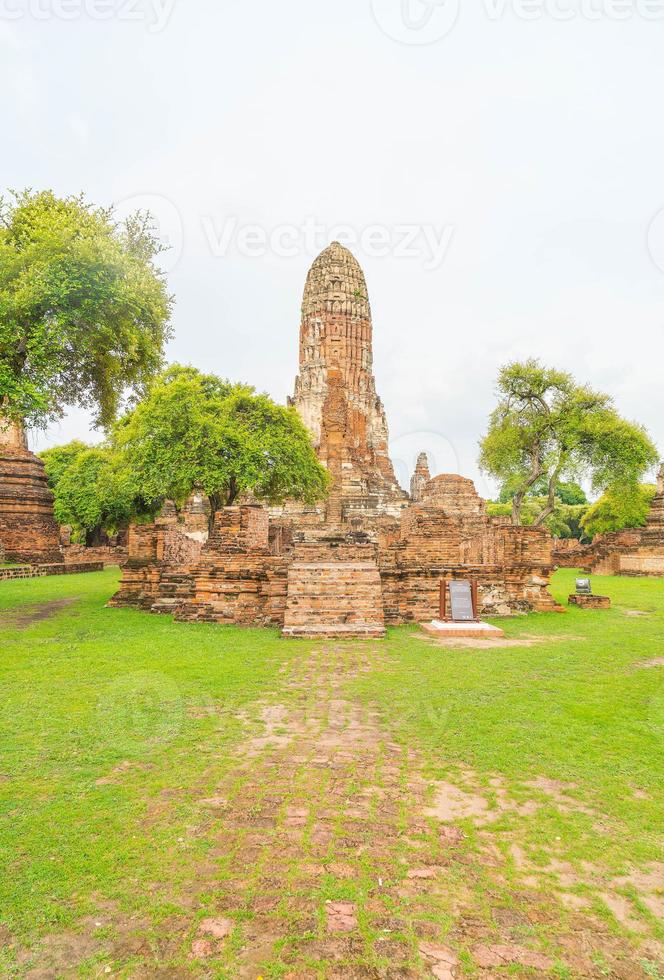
(335, 391)
(420, 478)
(28, 530)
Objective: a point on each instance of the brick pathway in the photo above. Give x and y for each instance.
(339, 861)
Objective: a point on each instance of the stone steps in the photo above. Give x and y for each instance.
(334, 598)
(338, 631)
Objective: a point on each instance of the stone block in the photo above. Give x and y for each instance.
(590, 601)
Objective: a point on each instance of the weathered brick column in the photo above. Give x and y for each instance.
(28, 529)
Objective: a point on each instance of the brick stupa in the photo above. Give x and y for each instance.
(28, 530)
(335, 391)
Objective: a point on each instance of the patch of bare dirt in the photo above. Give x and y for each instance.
(276, 732)
(60, 953)
(121, 770)
(649, 880)
(452, 803)
(341, 916)
(209, 940)
(26, 616)
(469, 642)
(561, 793)
(624, 911)
(645, 664)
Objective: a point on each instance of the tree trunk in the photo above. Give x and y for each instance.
(232, 492)
(535, 474)
(551, 503)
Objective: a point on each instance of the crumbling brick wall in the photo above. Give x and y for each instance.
(241, 575)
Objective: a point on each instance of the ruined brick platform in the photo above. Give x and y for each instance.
(57, 568)
(590, 601)
(479, 631)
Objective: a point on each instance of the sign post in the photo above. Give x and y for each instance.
(463, 601)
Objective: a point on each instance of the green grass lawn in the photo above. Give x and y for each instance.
(114, 724)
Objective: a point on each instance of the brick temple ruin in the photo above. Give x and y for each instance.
(30, 538)
(368, 556)
(635, 552)
(28, 531)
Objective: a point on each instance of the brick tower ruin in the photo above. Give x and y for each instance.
(335, 391)
(28, 530)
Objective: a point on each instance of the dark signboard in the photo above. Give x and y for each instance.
(461, 601)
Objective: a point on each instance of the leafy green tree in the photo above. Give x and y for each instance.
(94, 494)
(548, 427)
(59, 458)
(619, 508)
(194, 428)
(84, 312)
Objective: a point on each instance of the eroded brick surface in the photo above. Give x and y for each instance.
(28, 530)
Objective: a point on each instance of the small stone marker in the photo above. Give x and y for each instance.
(585, 599)
(461, 601)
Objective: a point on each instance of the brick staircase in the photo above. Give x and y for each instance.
(175, 587)
(334, 591)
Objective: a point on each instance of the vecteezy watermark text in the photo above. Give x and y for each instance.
(409, 241)
(418, 22)
(154, 13)
(566, 10)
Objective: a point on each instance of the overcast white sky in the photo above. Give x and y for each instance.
(525, 137)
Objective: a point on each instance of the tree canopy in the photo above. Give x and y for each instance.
(619, 508)
(549, 429)
(84, 312)
(195, 428)
(59, 458)
(92, 492)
